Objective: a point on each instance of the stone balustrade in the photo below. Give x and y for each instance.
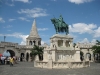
(59, 65)
(85, 45)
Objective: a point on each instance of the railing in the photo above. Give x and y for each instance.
(60, 65)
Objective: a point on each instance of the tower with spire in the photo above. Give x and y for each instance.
(33, 38)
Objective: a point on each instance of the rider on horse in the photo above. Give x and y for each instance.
(60, 25)
(60, 20)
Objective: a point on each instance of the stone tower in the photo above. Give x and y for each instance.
(33, 38)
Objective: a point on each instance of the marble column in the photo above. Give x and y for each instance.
(71, 43)
(56, 42)
(64, 43)
(54, 55)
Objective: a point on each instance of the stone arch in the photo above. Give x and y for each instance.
(81, 55)
(30, 42)
(39, 42)
(34, 42)
(96, 56)
(22, 55)
(88, 55)
(54, 46)
(12, 53)
(27, 56)
(60, 43)
(67, 44)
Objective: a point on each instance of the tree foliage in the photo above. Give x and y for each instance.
(81, 53)
(36, 50)
(74, 45)
(96, 48)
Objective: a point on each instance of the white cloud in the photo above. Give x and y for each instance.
(82, 28)
(42, 29)
(17, 35)
(85, 28)
(73, 36)
(79, 1)
(54, 0)
(8, 30)
(97, 32)
(42, 42)
(8, 26)
(10, 4)
(11, 20)
(24, 19)
(20, 35)
(45, 42)
(93, 41)
(85, 40)
(23, 42)
(35, 12)
(1, 20)
(25, 1)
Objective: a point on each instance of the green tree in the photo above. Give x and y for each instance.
(96, 49)
(81, 55)
(74, 45)
(97, 42)
(36, 50)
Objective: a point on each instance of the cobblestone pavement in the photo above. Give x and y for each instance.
(27, 68)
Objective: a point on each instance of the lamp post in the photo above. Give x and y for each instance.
(4, 38)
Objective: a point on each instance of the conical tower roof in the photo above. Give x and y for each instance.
(34, 32)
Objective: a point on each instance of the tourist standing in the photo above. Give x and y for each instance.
(11, 61)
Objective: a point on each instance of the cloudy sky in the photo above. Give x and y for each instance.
(82, 16)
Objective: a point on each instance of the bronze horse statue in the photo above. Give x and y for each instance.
(60, 26)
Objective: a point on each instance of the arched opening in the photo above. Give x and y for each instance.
(27, 56)
(67, 43)
(30, 43)
(54, 46)
(21, 56)
(81, 55)
(60, 43)
(12, 53)
(96, 56)
(34, 43)
(88, 55)
(39, 42)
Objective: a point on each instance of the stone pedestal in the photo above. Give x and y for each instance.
(36, 58)
(54, 56)
(50, 64)
(77, 56)
(45, 56)
(60, 53)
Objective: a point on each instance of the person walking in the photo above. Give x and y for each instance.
(11, 61)
(3, 60)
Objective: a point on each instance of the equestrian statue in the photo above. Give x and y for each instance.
(60, 25)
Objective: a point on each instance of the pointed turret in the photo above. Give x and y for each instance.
(34, 32)
(33, 38)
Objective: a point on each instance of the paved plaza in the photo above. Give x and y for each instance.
(27, 68)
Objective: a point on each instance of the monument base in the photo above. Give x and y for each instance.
(58, 65)
(61, 54)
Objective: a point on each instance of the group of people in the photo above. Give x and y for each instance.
(8, 60)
